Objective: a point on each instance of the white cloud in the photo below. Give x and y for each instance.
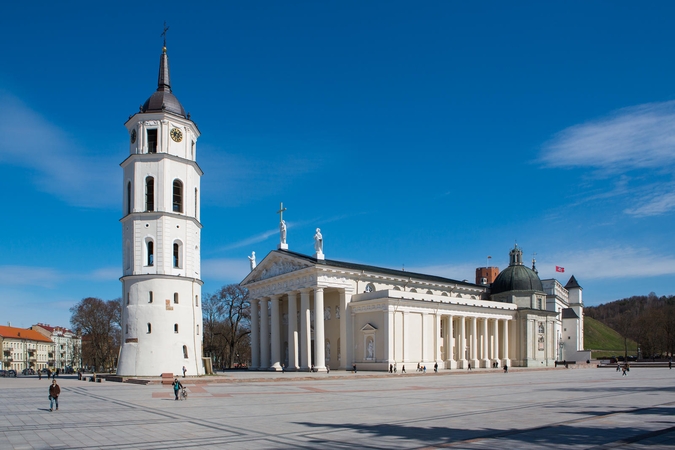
(610, 262)
(61, 167)
(631, 138)
(659, 202)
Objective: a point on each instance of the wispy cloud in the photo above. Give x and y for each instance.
(631, 138)
(661, 200)
(60, 166)
(610, 262)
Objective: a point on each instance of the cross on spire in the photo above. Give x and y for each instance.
(281, 212)
(164, 34)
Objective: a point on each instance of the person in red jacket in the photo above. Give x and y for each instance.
(54, 392)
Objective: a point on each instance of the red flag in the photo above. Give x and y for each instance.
(559, 269)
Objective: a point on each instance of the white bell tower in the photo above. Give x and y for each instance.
(161, 286)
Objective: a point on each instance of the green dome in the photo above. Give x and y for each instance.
(516, 278)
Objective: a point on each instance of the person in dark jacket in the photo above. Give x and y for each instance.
(54, 392)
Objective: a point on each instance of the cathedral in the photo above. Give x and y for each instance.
(308, 312)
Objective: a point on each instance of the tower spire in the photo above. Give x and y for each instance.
(163, 80)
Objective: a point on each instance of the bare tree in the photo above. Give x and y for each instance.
(98, 322)
(227, 325)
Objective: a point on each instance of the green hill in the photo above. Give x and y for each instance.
(604, 341)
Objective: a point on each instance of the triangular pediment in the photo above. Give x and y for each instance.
(275, 263)
(368, 327)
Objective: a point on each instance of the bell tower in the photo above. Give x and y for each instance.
(161, 285)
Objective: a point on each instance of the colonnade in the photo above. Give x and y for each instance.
(475, 340)
(266, 355)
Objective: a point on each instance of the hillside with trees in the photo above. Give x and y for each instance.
(648, 320)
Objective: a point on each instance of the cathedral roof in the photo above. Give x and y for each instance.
(568, 313)
(162, 99)
(516, 277)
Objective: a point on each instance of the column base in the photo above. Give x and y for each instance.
(474, 363)
(450, 364)
(462, 364)
(506, 362)
(282, 247)
(486, 363)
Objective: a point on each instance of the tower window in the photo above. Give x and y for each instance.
(185, 353)
(151, 253)
(175, 297)
(129, 197)
(127, 329)
(149, 194)
(176, 255)
(175, 328)
(196, 300)
(128, 298)
(177, 196)
(150, 297)
(152, 141)
(149, 328)
(197, 329)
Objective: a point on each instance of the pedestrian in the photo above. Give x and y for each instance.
(469, 366)
(618, 367)
(184, 370)
(625, 368)
(418, 367)
(327, 368)
(403, 368)
(176, 387)
(49, 373)
(354, 367)
(283, 368)
(391, 368)
(670, 362)
(395, 367)
(54, 392)
(506, 368)
(57, 373)
(39, 374)
(436, 367)
(424, 369)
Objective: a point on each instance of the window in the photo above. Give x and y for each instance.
(150, 194)
(539, 303)
(175, 297)
(149, 328)
(151, 253)
(129, 197)
(176, 255)
(185, 353)
(197, 329)
(152, 141)
(192, 150)
(177, 196)
(128, 298)
(127, 329)
(175, 328)
(150, 297)
(196, 300)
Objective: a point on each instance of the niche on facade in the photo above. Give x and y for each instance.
(368, 332)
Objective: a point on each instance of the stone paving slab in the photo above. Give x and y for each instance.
(528, 409)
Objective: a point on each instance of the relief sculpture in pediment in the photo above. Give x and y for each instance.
(279, 268)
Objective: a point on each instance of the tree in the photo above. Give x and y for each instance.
(227, 325)
(98, 321)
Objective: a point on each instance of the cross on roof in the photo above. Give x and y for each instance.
(164, 32)
(281, 212)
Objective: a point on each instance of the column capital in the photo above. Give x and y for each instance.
(318, 289)
(275, 297)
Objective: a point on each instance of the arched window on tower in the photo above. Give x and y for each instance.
(175, 328)
(129, 197)
(150, 194)
(185, 353)
(151, 253)
(177, 196)
(175, 297)
(177, 248)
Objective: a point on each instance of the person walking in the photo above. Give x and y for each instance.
(184, 370)
(469, 366)
(54, 392)
(436, 367)
(670, 362)
(506, 368)
(39, 374)
(176, 387)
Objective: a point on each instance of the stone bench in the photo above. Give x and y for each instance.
(167, 378)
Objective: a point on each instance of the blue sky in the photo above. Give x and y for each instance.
(426, 136)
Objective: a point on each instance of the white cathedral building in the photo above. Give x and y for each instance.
(308, 311)
(161, 285)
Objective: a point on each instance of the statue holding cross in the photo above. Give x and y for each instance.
(282, 228)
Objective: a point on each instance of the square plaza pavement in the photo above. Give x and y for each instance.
(483, 409)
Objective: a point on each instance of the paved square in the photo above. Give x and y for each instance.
(531, 409)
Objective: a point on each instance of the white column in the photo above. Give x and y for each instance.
(486, 344)
(264, 336)
(292, 331)
(276, 334)
(255, 335)
(505, 338)
(495, 338)
(451, 363)
(319, 335)
(346, 356)
(305, 331)
(405, 322)
(474, 343)
(437, 340)
(461, 350)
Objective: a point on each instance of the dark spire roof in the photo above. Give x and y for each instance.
(163, 100)
(572, 284)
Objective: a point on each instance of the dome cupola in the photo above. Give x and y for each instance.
(516, 277)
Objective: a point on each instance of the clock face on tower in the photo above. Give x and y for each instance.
(176, 134)
(133, 136)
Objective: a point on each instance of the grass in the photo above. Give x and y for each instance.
(604, 341)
